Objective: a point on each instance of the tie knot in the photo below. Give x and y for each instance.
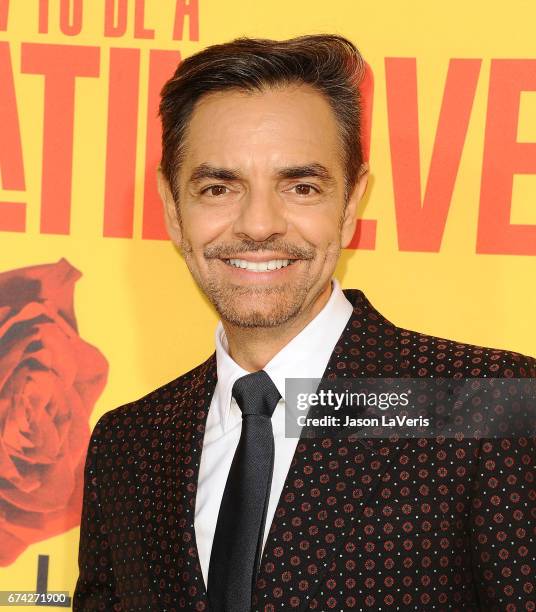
(256, 394)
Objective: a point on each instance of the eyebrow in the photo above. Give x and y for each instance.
(206, 171)
(313, 170)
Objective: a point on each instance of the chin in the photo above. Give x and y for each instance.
(254, 320)
(248, 316)
(257, 307)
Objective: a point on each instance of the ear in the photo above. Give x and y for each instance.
(170, 208)
(350, 213)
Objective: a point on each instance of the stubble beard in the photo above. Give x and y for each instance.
(238, 304)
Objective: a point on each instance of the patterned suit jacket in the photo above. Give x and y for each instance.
(407, 524)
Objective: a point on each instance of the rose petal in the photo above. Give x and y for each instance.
(77, 437)
(63, 352)
(10, 547)
(24, 482)
(45, 281)
(39, 389)
(92, 365)
(31, 315)
(57, 284)
(23, 335)
(14, 357)
(16, 432)
(51, 493)
(92, 375)
(30, 527)
(4, 312)
(8, 469)
(35, 428)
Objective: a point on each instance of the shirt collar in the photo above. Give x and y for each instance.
(305, 356)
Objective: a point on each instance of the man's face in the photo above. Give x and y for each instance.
(261, 201)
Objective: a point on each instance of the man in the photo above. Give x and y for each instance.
(194, 498)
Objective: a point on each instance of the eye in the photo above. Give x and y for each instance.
(304, 189)
(215, 190)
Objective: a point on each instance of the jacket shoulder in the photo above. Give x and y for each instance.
(429, 355)
(426, 355)
(162, 403)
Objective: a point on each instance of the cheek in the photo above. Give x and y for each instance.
(319, 227)
(201, 227)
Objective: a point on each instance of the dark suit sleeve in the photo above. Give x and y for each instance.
(95, 587)
(503, 519)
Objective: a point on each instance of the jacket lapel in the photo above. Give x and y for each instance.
(330, 479)
(168, 508)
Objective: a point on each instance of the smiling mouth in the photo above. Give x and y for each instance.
(259, 266)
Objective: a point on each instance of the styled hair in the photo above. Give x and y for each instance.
(329, 63)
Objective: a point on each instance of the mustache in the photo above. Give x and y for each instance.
(223, 251)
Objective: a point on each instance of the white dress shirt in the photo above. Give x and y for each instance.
(305, 356)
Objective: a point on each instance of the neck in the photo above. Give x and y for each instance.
(252, 348)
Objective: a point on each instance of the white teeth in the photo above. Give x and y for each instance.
(259, 266)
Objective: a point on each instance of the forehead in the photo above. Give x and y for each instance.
(275, 127)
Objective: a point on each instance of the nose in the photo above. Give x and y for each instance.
(262, 216)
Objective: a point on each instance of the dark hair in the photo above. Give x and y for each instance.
(329, 63)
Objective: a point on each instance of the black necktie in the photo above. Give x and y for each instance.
(237, 545)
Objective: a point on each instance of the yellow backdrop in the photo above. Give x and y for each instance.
(454, 253)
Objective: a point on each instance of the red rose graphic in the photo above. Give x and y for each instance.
(49, 381)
